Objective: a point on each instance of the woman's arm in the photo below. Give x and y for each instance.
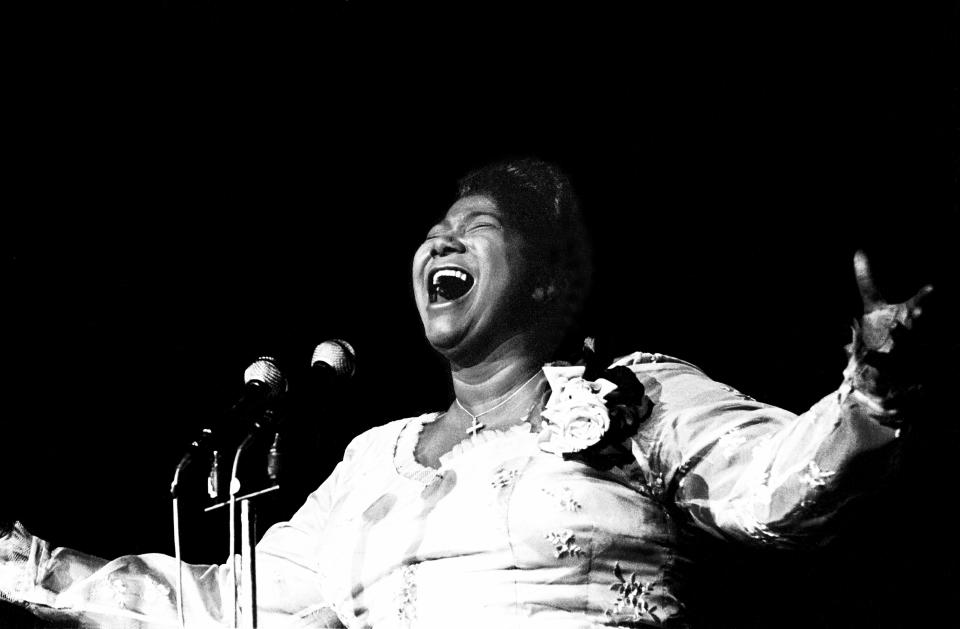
(143, 587)
(750, 471)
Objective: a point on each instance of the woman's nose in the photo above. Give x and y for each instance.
(446, 244)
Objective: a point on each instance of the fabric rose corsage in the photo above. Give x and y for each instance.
(591, 420)
(576, 415)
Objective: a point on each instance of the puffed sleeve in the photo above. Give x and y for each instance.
(750, 471)
(142, 588)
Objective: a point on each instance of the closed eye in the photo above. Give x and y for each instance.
(484, 225)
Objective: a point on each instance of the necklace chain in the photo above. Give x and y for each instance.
(476, 425)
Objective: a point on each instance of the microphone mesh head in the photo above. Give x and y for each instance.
(337, 354)
(265, 372)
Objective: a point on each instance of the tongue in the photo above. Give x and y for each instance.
(451, 288)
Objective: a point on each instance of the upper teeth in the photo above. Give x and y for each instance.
(460, 275)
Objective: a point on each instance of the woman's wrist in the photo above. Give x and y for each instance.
(874, 382)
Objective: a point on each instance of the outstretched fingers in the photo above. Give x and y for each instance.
(868, 289)
(872, 300)
(914, 308)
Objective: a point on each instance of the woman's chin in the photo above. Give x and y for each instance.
(445, 339)
(459, 346)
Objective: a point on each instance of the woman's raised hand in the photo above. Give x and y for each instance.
(886, 346)
(883, 322)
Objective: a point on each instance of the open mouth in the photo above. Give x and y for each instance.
(448, 284)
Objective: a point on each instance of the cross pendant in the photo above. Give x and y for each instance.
(474, 428)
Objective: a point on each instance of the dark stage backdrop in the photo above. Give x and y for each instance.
(194, 184)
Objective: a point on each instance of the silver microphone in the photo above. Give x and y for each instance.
(263, 384)
(336, 355)
(331, 361)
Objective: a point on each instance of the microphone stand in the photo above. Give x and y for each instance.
(176, 543)
(248, 531)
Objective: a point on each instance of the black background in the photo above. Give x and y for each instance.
(192, 185)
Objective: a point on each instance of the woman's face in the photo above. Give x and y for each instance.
(471, 280)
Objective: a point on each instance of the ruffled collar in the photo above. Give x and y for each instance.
(404, 454)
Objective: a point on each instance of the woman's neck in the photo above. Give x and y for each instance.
(499, 387)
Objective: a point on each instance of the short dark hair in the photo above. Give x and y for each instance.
(538, 196)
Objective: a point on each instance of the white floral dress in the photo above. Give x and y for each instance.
(507, 535)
